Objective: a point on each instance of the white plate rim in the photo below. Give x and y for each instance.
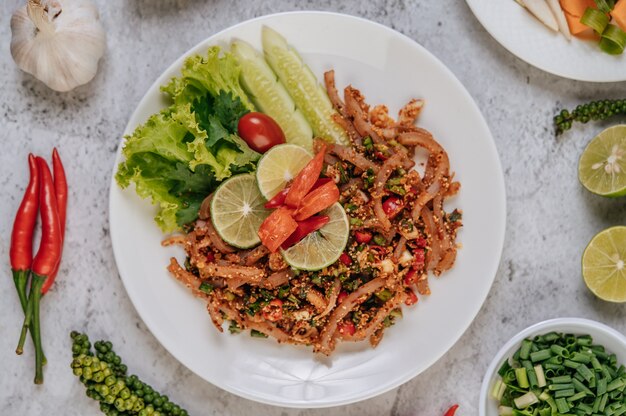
(531, 60)
(491, 273)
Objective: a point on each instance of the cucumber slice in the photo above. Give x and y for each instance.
(270, 96)
(310, 97)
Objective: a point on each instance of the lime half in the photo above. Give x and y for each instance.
(602, 166)
(321, 248)
(278, 166)
(237, 211)
(604, 264)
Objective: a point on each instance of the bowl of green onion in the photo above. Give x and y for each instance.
(565, 366)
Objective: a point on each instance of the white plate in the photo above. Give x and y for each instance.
(389, 68)
(613, 340)
(527, 38)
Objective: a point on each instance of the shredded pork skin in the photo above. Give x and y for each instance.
(257, 290)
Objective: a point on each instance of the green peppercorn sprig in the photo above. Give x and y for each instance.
(593, 110)
(104, 376)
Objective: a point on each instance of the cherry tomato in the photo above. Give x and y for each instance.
(260, 131)
(410, 277)
(345, 259)
(392, 206)
(419, 257)
(273, 311)
(363, 236)
(342, 295)
(411, 298)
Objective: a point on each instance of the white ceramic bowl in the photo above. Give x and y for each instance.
(613, 340)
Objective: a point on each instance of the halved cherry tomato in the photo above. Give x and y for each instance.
(277, 200)
(260, 131)
(363, 237)
(451, 411)
(276, 228)
(345, 259)
(305, 180)
(421, 242)
(317, 200)
(305, 228)
(411, 298)
(346, 328)
(392, 206)
(273, 311)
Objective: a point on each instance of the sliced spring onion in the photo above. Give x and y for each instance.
(498, 390)
(541, 378)
(605, 6)
(522, 378)
(613, 40)
(561, 405)
(595, 19)
(505, 411)
(526, 400)
(540, 355)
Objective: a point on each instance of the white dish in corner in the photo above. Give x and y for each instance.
(613, 340)
(388, 68)
(528, 39)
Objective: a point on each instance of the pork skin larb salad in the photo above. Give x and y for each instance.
(398, 232)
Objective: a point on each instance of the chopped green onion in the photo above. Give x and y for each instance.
(581, 357)
(522, 378)
(579, 386)
(561, 379)
(384, 295)
(525, 349)
(595, 19)
(615, 384)
(540, 355)
(505, 411)
(605, 397)
(504, 368)
(557, 387)
(526, 400)
(257, 334)
(576, 396)
(601, 386)
(541, 378)
(560, 351)
(613, 40)
(561, 405)
(498, 390)
(206, 287)
(605, 6)
(564, 393)
(585, 408)
(584, 371)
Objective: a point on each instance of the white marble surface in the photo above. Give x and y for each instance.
(550, 217)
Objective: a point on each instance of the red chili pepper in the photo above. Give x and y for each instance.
(363, 237)
(273, 311)
(419, 257)
(44, 263)
(451, 411)
(320, 182)
(392, 206)
(277, 200)
(342, 295)
(60, 190)
(380, 155)
(411, 298)
(276, 228)
(409, 277)
(345, 259)
(305, 228)
(21, 252)
(346, 328)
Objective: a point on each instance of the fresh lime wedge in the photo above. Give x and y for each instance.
(237, 211)
(270, 96)
(602, 166)
(303, 86)
(278, 166)
(604, 264)
(321, 248)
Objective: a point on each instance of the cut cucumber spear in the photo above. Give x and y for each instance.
(302, 86)
(270, 96)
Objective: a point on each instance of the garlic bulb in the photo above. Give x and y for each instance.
(58, 41)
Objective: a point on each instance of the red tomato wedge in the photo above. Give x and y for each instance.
(305, 228)
(277, 228)
(317, 200)
(305, 180)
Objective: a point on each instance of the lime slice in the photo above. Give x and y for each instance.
(602, 166)
(321, 248)
(604, 264)
(278, 166)
(237, 211)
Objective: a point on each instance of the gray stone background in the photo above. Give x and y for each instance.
(550, 217)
